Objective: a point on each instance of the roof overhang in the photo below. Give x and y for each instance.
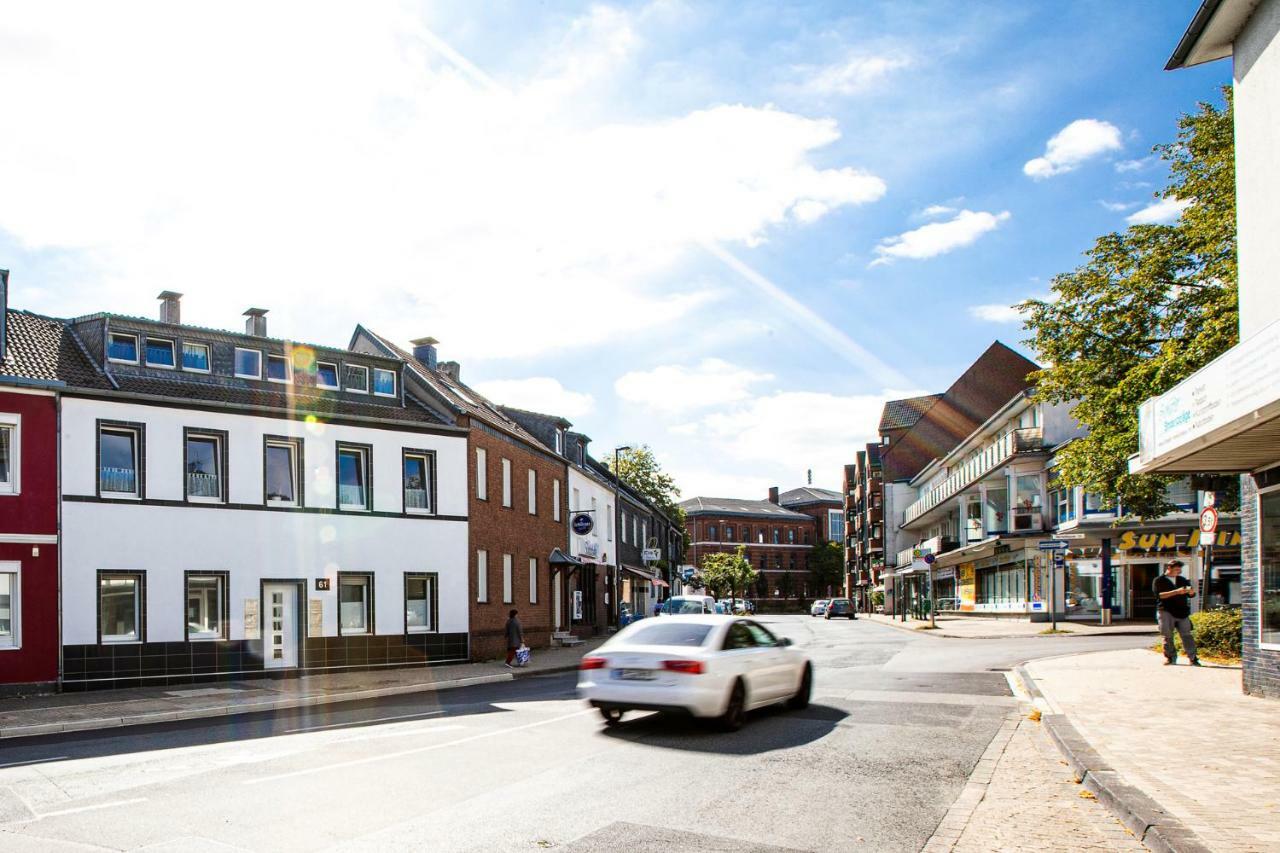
(1211, 33)
(560, 558)
(974, 551)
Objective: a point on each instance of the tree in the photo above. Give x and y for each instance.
(826, 566)
(1149, 307)
(730, 573)
(639, 469)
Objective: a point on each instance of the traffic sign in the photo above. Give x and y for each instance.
(1208, 520)
(1210, 498)
(1053, 545)
(929, 558)
(1072, 535)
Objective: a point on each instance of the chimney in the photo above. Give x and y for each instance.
(451, 369)
(4, 309)
(773, 494)
(256, 325)
(170, 307)
(424, 350)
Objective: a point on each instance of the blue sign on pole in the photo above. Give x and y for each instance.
(582, 523)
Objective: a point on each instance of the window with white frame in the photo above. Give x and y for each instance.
(195, 357)
(482, 576)
(277, 368)
(533, 492)
(506, 482)
(203, 465)
(9, 455)
(635, 531)
(281, 464)
(160, 353)
(206, 612)
(356, 379)
(482, 474)
(555, 500)
(533, 580)
(560, 442)
(419, 602)
(119, 456)
(384, 382)
(248, 363)
(595, 527)
(608, 510)
(417, 481)
(353, 478)
(122, 348)
(326, 374)
(835, 525)
(120, 602)
(355, 603)
(508, 569)
(10, 605)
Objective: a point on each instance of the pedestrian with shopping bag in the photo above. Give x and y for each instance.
(1174, 594)
(515, 639)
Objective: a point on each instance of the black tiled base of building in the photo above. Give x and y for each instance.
(1261, 667)
(113, 667)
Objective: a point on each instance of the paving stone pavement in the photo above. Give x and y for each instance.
(990, 628)
(1021, 796)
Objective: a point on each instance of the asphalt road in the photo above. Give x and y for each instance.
(896, 725)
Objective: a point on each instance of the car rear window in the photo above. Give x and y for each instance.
(684, 605)
(670, 634)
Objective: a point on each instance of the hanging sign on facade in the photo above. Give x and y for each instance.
(651, 555)
(582, 523)
(1132, 540)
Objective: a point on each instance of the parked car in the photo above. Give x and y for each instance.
(688, 604)
(819, 607)
(735, 605)
(840, 607)
(706, 666)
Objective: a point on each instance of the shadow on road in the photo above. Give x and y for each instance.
(767, 730)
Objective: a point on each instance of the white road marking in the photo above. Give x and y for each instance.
(34, 761)
(359, 723)
(402, 753)
(1015, 684)
(91, 808)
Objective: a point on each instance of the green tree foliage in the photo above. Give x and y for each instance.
(728, 574)
(1149, 307)
(826, 567)
(639, 469)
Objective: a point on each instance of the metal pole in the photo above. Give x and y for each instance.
(933, 599)
(1107, 591)
(617, 544)
(1053, 589)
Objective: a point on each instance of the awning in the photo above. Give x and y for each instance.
(660, 582)
(976, 551)
(639, 572)
(559, 559)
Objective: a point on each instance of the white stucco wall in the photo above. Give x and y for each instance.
(165, 541)
(587, 489)
(1257, 126)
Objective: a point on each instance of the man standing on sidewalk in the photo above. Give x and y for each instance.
(1175, 593)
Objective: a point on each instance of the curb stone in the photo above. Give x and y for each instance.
(1144, 817)
(1136, 632)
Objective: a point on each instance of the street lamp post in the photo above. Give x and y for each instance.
(617, 543)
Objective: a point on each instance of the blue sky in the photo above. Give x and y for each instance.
(729, 230)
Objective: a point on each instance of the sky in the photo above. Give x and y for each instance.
(729, 231)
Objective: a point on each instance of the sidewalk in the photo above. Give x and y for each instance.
(983, 628)
(1186, 738)
(69, 712)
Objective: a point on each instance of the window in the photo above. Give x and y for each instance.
(355, 603)
(624, 527)
(506, 482)
(9, 445)
(281, 464)
(1094, 503)
(1062, 504)
(996, 511)
(555, 500)
(10, 606)
(482, 474)
(353, 477)
(1269, 568)
(118, 460)
(248, 363)
(507, 568)
(120, 601)
(791, 536)
(1026, 511)
(277, 368)
(122, 348)
(777, 536)
(326, 375)
(533, 492)
(195, 357)
(417, 481)
(204, 465)
(595, 528)
(206, 606)
(609, 512)
(384, 382)
(160, 353)
(482, 576)
(419, 602)
(835, 525)
(357, 379)
(728, 533)
(560, 442)
(533, 580)
(635, 531)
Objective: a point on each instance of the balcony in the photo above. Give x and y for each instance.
(994, 455)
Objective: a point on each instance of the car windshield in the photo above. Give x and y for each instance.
(684, 605)
(665, 633)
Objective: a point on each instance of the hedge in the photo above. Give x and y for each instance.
(1218, 633)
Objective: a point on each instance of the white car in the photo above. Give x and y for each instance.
(819, 607)
(706, 666)
(678, 605)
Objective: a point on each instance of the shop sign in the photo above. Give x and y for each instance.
(651, 555)
(968, 588)
(589, 548)
(582, 523)
(1133, 540)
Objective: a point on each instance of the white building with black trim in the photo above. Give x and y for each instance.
(234, 504)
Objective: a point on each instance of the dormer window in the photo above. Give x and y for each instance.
(122, 348)
(326, 375)
(277, 368)
(357, 379)
(560, 442)
(160, 353)
(384, 382)
(195, 357)
(248, 363)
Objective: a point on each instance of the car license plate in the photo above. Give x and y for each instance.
(633, 674)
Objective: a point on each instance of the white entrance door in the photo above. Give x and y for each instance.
(280, 626)
(557, 596)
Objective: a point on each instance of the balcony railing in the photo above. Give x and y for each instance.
(121, 480)
(995, 454)
(201, 485)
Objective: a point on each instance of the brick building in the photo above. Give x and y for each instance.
(517, 500)
(864, 513)
(824, 506)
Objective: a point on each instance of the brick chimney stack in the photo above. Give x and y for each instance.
(424, 350)
(451, 369)
(773, 494)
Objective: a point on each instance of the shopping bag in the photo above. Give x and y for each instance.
(522, 656)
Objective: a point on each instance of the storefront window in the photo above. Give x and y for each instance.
(1084, 588)
(1269, 568)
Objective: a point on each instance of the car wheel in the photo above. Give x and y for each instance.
(735, 712)
(612, 716)
(800, 700)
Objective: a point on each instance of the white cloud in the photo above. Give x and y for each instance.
(1138, 165)
(1118, 206)
(938, 238)
(539, 394)
(936, 210)
(1163, 212)
(995, 313)
(855, 74)
(1079, 141)
(676, 388)
(401, 186)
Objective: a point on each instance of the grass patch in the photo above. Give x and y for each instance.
(928, 628)
(1056, 631)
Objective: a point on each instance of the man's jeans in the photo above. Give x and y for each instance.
(1168, 622)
